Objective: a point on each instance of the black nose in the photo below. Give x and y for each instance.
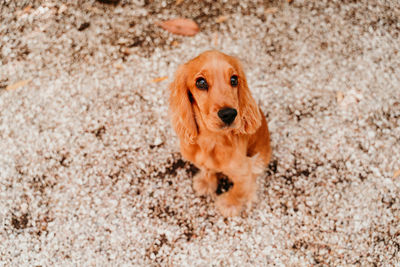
(227, 115)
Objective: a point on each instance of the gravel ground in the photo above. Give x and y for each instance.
(90, 170)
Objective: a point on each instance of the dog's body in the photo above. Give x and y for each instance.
(220, 127)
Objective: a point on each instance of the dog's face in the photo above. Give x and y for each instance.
(212, 86)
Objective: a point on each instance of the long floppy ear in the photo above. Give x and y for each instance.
(181, 109)
(250, 114)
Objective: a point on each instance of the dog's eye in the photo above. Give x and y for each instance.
(201, 83)
(234, 80)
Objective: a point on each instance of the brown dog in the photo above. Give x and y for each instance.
(220, 127)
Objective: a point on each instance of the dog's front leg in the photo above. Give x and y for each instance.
(242, 193)
(244, 190)
(205, 182)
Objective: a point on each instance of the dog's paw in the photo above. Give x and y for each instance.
(228, 206)
(204, 184)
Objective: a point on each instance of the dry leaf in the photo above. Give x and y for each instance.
(27, 9)
(180, 26)
(17, 84)
(178, 2)
(271, 10)
(175, 43)
(396, 174)
(289, 1)
(118, 66)
(221, 19)
(159, 79)
(127, 50)
(339, 96)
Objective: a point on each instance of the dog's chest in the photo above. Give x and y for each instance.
(218, 152)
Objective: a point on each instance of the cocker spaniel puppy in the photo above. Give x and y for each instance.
(220, 127)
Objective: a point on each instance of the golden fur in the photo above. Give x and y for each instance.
(239, 150)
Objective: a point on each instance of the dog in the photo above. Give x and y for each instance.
(220, 127)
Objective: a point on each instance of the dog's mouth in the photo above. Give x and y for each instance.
(228, 127)
(219, 126)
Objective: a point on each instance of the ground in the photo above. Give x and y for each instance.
(90, 170)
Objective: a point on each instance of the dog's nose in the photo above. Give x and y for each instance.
(227, 115)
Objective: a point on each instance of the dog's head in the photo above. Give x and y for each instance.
(214, 85)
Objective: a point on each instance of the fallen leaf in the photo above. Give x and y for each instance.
(289, 1)
(339, 96)
(180, 26)
(396, 174)
(27, 9)
(221, 19)
(178, 2)
(127, 50)
(271, 10)
(118, 66)
(17, 84)
(175, 43)
(159, 79)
